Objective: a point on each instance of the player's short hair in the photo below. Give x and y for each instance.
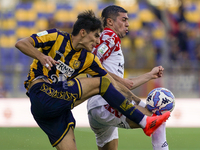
(112, 12)
(88, 21)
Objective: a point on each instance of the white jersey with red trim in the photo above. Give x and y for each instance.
(110, 54)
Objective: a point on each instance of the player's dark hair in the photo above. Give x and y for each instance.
(88, 21)
(112, 12)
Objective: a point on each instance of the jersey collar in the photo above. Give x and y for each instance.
(109, 29)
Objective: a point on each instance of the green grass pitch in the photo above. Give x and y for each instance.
(35, 139)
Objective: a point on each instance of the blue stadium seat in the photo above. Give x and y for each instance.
(65, 6)
(158, 43)
(7, 60)
(142, 5)
(132, 15)
(23, 77)
(191, 49)
(44, 15)
(28, 24)
(190, 7)
(8, 81)
(101, 6)
(10, 32)
(24, 60)
(192, 24)
(26, 6)
(8, 14)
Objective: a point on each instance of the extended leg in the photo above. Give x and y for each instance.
(68, 142)
(103, 86)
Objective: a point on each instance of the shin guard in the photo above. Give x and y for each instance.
(118, 101)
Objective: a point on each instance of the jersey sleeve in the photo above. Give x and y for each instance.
(45, 38)
(96, 69)
(109, 42)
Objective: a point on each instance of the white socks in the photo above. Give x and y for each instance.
(142, 104)
(143, 122)
(159, 141)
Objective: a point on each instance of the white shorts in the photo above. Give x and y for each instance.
(104, 121)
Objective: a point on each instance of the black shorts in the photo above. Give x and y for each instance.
(51, 106)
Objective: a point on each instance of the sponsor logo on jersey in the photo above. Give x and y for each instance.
(102, 48)
(120, 71)
(65, 69)
(76, 64)
(42, 33)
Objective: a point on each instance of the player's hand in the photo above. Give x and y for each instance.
(128, 83)
(47, 61)
(157, 72)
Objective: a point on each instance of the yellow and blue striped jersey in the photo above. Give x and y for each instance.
(58, 45)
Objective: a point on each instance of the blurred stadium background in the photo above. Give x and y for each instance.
(161, 32)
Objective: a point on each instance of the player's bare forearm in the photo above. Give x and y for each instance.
(137, 81)
(26, 46)
(155, 73)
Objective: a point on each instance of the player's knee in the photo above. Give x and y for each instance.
(105, 83)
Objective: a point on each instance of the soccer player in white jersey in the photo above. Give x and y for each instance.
(105, 120)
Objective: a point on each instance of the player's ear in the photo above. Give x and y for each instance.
(83, 32)
(109, 21)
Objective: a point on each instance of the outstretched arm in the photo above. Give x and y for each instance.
(133, 83)
(155, 73)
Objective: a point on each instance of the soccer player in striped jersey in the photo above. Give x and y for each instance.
(103, 118)
(54, 90)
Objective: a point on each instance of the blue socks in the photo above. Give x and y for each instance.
(118, 101)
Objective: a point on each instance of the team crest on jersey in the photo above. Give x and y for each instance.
(76, 64)
(65, 69)
(70, 83)
(102, 48)
(42, 33)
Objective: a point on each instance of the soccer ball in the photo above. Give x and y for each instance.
(160, 100)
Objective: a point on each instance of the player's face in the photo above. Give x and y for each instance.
(121, 25)
(91, 39)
